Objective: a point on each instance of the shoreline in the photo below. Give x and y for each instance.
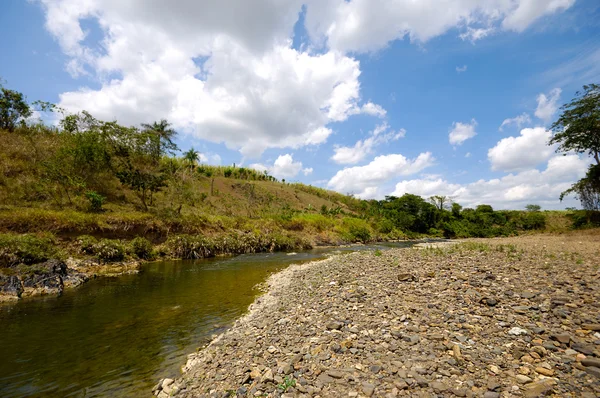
(361, 324)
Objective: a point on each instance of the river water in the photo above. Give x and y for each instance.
(118, 336)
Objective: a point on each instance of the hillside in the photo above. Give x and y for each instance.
(104, 197)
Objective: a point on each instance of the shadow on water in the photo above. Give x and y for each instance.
(119, 336)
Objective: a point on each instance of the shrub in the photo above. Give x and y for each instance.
(26, 249)
(142, 248)
(87, 244)
(109, 250)
(355, 230)
(96, 201)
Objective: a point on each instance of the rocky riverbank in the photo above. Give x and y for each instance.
(491, 318)
(53, 276)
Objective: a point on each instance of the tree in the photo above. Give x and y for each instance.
(533, 207)
(192, 156)
(440, 201)
(14, 110)
(161, 137)
(578, 127)
(587, 190)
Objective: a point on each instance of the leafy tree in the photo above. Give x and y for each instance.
(587, 190)
(14, 109)
(578, 129)
(532, 207)
(440, 201)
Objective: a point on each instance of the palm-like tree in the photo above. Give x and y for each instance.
(161, 136)
(192, 156)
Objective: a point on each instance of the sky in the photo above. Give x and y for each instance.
(365, 97)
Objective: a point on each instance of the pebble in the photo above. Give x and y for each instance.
(373, 333)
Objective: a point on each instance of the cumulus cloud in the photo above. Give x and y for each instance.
(369, 25)
(547, 105)
(527, 150)
(225, 73)
(362, 148)
(365, 181)
(512, 191)
(461, 132)
(461, 69)
(283, 167)
(517, 121)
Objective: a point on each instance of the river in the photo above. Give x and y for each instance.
(118, 336)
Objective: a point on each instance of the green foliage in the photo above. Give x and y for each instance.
(288, 382)
(578, 126)
(587, 190)
(585, 219)
(355, 230)
(96, 201)
(26, 249)
(108, 250)
(142, 248)
(532, 207)
(87, 244)
(377, 253)
(14, 109)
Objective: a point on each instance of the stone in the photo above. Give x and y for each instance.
(494, 369)
(333, 325)
(491, 394)
(561, 337)
(535, 389)
(368, 389)
(583, 348)
(544, 371)
(517, 331)
(167, 383)
(493, 384)
(591, 362)
(523, 379)
(375, 368)
(438, 386)
(11, 285)
(594, 371)
(591, 326)
(335, 374)
(406, 277)
(255, 373)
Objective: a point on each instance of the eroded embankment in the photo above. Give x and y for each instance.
(499, 317)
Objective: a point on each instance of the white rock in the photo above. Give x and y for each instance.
(517, 331)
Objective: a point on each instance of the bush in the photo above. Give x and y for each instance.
(87, 244)
(109, 250)
(26, 249)
(355, 230)
(142, 248)
(96, 201)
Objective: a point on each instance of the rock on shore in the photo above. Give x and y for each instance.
(53, 276)
(499, 319)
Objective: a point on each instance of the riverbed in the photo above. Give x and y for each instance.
(118, 336)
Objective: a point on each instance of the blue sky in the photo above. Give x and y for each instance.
(365, 97)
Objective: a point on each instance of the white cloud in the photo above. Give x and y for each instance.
(364, 181)
(461, 69)
(369, 25)
(283, 167)
(527, 11)
(527, 150)
(211, 158)
(468, 154)
(547, 105)
(362, 148)
(225, 73)
(518, 121)
(474, 34)
(461, 132)
(512, 191)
